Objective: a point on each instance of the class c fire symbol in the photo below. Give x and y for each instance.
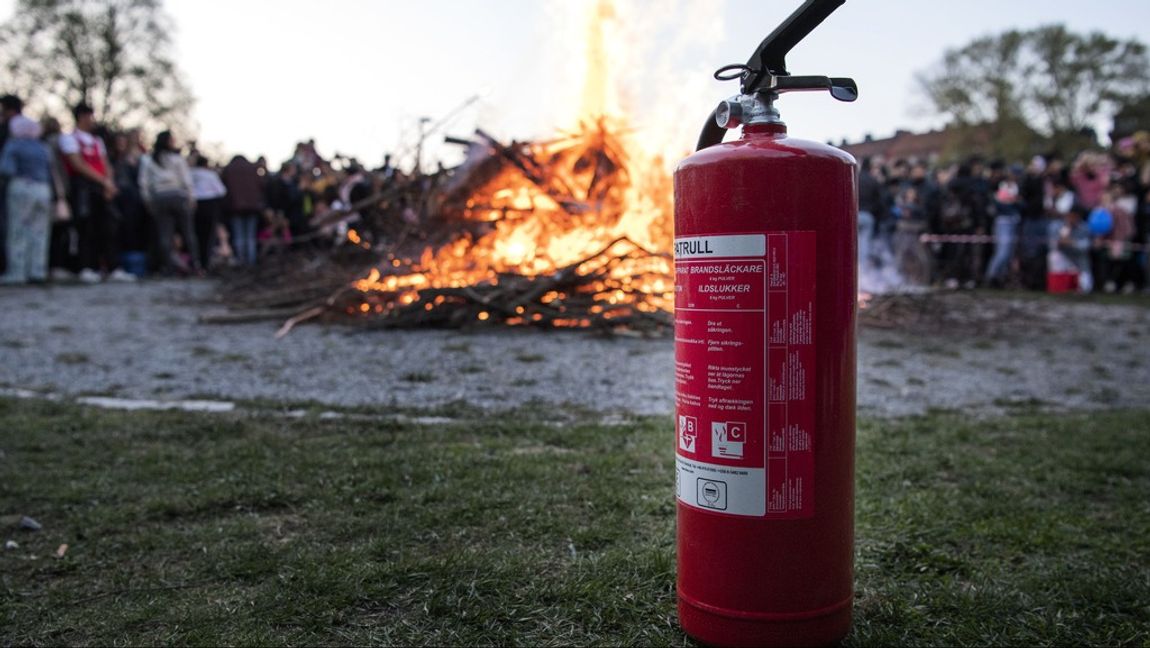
(728, 439)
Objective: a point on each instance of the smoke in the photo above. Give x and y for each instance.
(878, 274)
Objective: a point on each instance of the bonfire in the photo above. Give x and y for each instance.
(573, 232)
(562, 235)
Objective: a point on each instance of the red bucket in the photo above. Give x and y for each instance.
(1061, 282)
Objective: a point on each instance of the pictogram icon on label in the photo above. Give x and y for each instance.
(711, 493)
(727, 439)
(745, 370)
(688, 430)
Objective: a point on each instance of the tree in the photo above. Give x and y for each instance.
(1047, 81)
(1131, 118)
(113, 54)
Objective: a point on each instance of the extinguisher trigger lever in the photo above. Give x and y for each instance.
(841, 88)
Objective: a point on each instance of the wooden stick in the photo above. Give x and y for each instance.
(302, 317)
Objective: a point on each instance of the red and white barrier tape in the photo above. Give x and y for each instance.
(989, 238)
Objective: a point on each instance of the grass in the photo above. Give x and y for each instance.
(232, 529)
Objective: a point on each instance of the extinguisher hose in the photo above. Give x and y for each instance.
(712, 133)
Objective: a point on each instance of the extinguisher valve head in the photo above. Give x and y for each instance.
(747, 109)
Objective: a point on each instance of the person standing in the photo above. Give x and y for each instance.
(1070, 244)
(93, 189)
(1006, 221)
(209, 192)
(64, 243)
(962, 212)
(1090, 177)
(135, 235)
(286, 199)
(166, 187)
(27, 164)
(1032, 198)
(11, 106)
(245, 201)
(870, 210)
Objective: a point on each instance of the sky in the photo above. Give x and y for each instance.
(357, 75)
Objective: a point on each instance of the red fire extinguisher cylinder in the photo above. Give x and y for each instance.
(766, 231)
(766, 235)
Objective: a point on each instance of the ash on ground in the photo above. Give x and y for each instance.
(977, 352)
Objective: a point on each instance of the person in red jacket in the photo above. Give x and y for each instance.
(92, 188)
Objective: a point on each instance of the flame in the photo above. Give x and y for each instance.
(599, 204)
(354, 237)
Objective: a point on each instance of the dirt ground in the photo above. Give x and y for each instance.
(977, 352)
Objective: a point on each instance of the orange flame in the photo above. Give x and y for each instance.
(528, 231)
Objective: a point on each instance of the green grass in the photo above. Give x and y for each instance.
(234, 529)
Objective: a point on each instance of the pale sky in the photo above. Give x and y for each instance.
(357, 74)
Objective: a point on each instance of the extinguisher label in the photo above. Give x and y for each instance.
(745, 373)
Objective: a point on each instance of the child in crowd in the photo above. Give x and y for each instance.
(1070, 247)
(27, 163)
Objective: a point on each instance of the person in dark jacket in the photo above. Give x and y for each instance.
(962, 212)
(286, 198)
(245, 201)
(135, 223)
(10, 106)
(1032, 247)
(871, 208)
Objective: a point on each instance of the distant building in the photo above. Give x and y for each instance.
(902, 145)
(1014, 141)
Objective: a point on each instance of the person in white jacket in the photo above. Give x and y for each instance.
(209, 192)
(166, 187)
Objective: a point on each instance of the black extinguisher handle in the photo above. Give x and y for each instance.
(771, 55)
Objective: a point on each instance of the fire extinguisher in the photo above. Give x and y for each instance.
(765, 302)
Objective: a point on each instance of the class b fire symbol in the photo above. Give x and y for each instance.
(688, 431)
(728, 439)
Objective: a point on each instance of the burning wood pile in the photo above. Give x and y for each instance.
(565, 233)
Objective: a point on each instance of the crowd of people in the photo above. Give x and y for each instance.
(994, 224)
(91, 204)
